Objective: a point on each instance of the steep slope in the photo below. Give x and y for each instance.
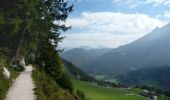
(76, 72)
(150, 50)
(81, 56)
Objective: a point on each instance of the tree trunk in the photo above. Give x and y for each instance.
(18, 49)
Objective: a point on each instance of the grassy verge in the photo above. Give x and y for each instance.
(94, 92)
(6, 83)
(47, 89)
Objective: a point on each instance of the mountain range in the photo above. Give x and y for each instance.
(82, 56)
(150, 50)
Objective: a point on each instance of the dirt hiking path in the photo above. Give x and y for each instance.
(22, 88)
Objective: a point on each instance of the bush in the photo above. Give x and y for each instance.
(65, 82)
(48, 89)
(81, 95)
(5, 83)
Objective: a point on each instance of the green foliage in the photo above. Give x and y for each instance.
(31, 28)
(49, 61)
(48, 89)
(27, 24)
(53, 68)
(152, 76)
(77, 72)
(81, 95)
(6, 83)
(65, 82)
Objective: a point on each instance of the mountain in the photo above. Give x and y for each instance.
(85, 47)
(81, 56)
(150, 50)
(76, 72)
(154, 76)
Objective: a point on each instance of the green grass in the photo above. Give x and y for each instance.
(47, 89)
(6, 83)
(93, 92)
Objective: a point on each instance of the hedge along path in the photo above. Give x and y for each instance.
(22, 88)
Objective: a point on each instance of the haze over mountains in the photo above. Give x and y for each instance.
(150, 50)
(82, 56)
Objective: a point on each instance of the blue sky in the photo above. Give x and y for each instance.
(112, 23)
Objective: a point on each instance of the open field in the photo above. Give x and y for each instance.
(93, 92)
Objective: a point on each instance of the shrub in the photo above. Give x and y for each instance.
(81, 95)
(65, 82)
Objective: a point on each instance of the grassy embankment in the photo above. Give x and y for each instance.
(6, 83)
(48, 89)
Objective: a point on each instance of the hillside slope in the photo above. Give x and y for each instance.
(154, 76)
(94, 89)
(76, 72)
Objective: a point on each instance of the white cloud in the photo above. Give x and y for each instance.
(136, 3)
(95, 40)
(115, 23)
(167, 15)
(109, 29)
(158, 2)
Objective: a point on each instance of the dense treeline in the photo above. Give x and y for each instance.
(153, 76)
(77, 72)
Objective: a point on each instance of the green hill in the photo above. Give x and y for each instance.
(76, 72)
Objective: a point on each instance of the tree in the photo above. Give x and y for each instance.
(28, 24)
(27, 28)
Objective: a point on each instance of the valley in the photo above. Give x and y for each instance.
(144, 61)
(98, 88)
(94, 92)
(84, 50)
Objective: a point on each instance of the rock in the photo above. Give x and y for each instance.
(22, 62)
(6, 73)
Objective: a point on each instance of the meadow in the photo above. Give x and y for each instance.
(94, 92)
